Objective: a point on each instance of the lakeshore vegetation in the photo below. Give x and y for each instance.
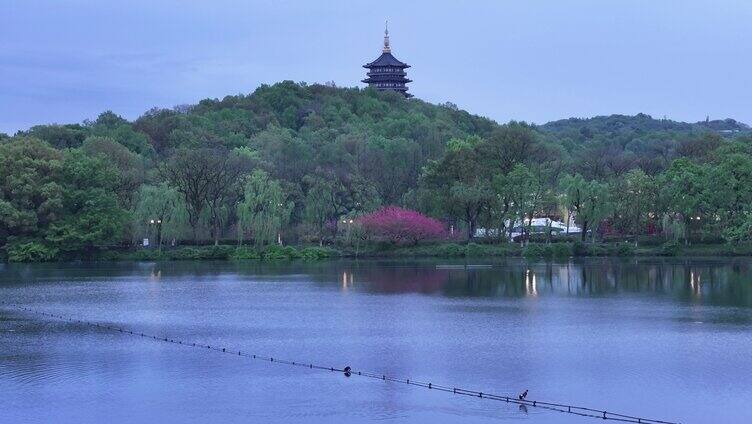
(358, 171)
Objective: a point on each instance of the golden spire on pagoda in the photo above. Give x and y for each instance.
(387, 49)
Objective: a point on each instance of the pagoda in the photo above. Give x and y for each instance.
(386, 72)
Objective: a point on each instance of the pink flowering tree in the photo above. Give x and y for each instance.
(401, 225)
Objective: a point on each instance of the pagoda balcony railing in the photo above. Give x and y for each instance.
(386, 73)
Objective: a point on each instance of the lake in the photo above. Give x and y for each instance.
(659, 338)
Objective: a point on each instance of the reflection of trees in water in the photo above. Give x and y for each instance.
(401, 279)
(716, 281)
(723, 282)
(709, 281)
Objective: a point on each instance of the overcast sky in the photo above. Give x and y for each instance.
(67, 60)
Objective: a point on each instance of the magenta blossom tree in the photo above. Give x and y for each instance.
(401, 225)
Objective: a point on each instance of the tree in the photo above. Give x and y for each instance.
(321, 205)
(506, 146)
(393, 164)
(526, 194)
(464, 193)
(589, 200)
(682, 193)
(401, 225)
(31, 194)
(159, 206)
(113, 126)
(595, 207)
(206, 178)
(635, 201)
(91, 216)
(224, 185)
(264, 209)
(59, 136)
(742, 232)
(502, 210)
(130, 166)
(728, 190)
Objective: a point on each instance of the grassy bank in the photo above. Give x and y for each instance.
(438, 250)
(225, 252)
(434, 250)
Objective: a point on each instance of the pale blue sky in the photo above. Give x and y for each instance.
(67, 60)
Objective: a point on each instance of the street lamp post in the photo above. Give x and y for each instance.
(349, 223)
(158, 224)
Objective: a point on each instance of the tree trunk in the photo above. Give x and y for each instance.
(470, 224)
(214, 232)
(159, 235)
(583, 235)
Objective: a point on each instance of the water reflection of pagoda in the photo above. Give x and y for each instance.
(386, 72)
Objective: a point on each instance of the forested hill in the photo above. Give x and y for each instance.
(315, 153)
(625, 128)
(295, 130)
(639, 139)
(615, 125)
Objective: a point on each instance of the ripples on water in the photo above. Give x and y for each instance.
(658, 338)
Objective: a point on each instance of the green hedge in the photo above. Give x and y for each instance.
(269, 253)
(553, 250)
(451, 250)
(30, 251)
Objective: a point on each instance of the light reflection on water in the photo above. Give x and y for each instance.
(654, 337)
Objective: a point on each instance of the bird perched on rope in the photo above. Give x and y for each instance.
(523, 395)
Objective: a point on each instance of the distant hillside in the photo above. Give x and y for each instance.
(621, 126)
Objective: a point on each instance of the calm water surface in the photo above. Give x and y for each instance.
(666, 339)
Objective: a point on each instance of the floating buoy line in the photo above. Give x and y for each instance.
(349, 371)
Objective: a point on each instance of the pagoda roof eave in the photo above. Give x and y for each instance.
(386, 59)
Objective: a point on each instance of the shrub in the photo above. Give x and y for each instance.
(184, 253)
(649, 240)
(148, 255)
(317, 253)
(609, 249)
(557, 250)
(450, 250)
(624, 249)
(670, 248)
(561, 250)
(245, 253)
(580, 249)
(276, 252)
(474, 249)
(588, 249)
(199, 253)
(30, 251)
(533, 251)
(401, 225)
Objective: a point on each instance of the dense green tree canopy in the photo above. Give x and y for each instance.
(331, 152)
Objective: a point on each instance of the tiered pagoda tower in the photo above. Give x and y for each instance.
(386, 72)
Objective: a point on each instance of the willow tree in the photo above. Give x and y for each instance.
(159, 207)
(263, 210)
(589, 200)
(634, 201)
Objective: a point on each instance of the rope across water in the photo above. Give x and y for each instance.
(348, 371)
